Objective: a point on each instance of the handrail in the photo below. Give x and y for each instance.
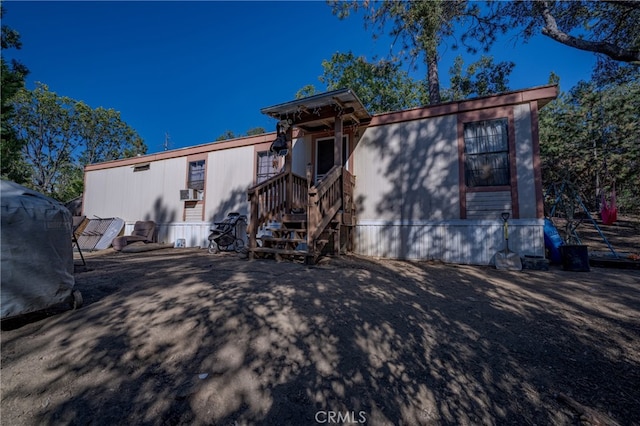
(329, 179)
(268, 200)
(259, 186)
(271, 199)
(325, 200)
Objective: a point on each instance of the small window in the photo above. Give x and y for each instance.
(141, 167)
(268, 166)
(196, 175)
(486, 148)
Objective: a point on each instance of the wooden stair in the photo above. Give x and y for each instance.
(328, 207)
(289, 240)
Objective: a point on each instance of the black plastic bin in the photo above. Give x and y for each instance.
(575, 258)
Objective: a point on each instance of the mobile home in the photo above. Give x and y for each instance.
(425, 183)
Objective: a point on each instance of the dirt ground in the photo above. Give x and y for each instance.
(179, 336)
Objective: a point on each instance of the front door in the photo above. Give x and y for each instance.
(324, 156)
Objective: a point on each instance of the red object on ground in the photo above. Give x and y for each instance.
(609, 212)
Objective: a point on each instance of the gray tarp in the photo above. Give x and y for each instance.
(37, 252)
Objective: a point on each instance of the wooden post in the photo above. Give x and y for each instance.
(337, 145)
(288, 167)
(337, 161)
(253, 223)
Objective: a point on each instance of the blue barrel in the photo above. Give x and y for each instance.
(552, 241)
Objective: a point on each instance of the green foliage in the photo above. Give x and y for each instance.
(421, 26)
(306, 91)
(228, 134)
(607, 27)
(381, 86)
(44, 121)
(483, 77)
(256, 131)
(13, 75)
(104, 135)
(62, 135)
(590, 136)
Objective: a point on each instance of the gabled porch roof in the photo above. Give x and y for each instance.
(319, 112)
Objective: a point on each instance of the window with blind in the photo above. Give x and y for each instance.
(265, 168)
(486, 151)
(196, 175)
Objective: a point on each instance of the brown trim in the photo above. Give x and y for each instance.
(489, 114)
(462, 184)
(262, 148)
(84, 193)
(256, 149)
(191, 158)
(542, 95)
(490, 188)
(328, 135)
(537, 164)
(511, 135)
(184, 152)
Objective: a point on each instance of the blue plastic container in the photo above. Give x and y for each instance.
(552, 242)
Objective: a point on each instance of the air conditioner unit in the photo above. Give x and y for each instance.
(189, 195)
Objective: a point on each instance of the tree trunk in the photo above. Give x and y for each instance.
(432, 77)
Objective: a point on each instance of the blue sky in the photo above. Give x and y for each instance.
(196, 69)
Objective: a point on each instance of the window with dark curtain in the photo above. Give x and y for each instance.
(486, 149)
(196, 175)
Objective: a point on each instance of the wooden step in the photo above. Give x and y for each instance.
(287, 252)
(288, 233)
(283, 240)
(294, 217)
(286, 229)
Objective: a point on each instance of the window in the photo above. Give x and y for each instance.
(486, 148)
(141, 167)
(196, 175)
(265, 168)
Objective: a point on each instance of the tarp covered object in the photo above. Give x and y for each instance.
(37, 253)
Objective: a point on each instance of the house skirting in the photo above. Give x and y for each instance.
(473, 242)
(459, 241)
(195, 234)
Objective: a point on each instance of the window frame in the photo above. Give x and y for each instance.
(269, 174)
(345, 153)
(192, 183)
(501, 154)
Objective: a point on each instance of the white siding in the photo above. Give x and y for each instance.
(152, 194)
(488, 205)
(408, 171)
(524, 161)
(193, 213)
(229, 175)
(454, 241)
(301, 155)
(194, 233)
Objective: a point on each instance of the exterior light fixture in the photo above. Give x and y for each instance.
(279, 146)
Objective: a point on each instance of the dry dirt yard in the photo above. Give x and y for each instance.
(179, 336)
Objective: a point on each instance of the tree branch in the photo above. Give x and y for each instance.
(613, 51)
(630, 4)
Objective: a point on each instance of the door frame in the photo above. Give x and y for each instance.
(346, 160)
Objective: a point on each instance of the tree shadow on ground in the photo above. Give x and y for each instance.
(188, 338)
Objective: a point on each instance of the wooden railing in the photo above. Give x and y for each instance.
(325, 200)
(348, 203)
(273, 198)
(269, 200)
